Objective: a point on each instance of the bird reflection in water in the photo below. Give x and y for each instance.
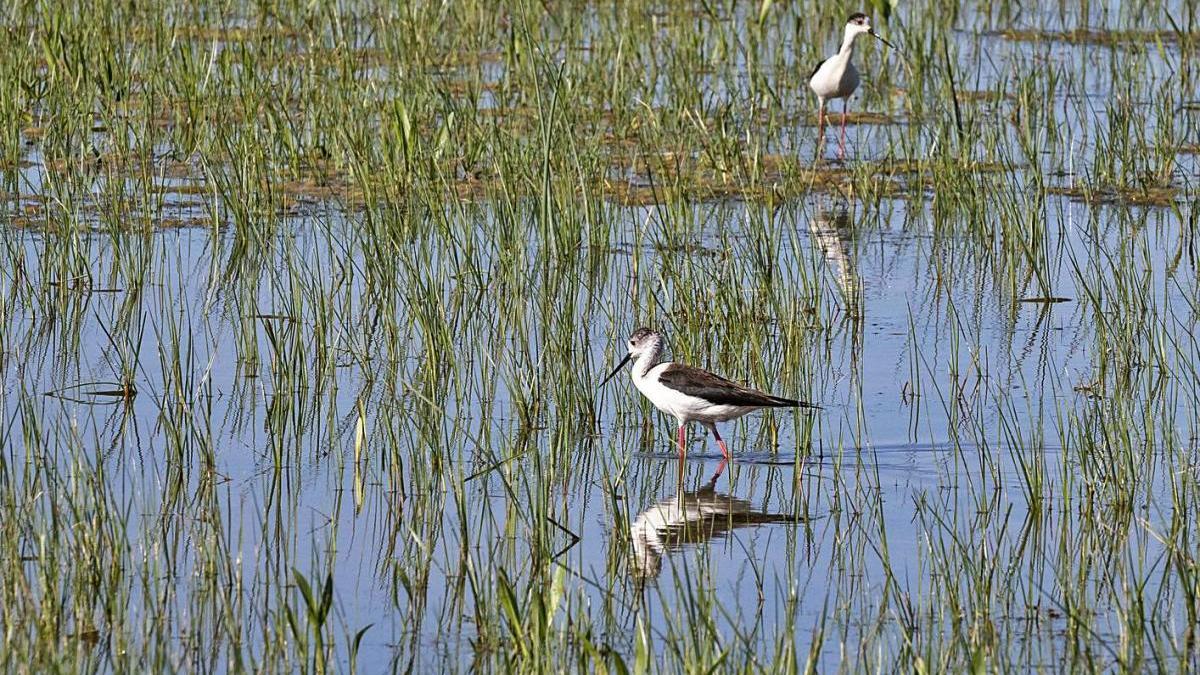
(831, 232)
(691, 518)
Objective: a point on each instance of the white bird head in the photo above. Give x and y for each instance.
(860, 23)
(643, 341)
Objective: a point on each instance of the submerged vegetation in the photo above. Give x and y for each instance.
(304, 307)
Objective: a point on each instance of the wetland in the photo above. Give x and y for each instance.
(305, 305)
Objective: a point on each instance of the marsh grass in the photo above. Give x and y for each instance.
(304, 307)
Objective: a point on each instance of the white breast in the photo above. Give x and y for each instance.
(836, 78)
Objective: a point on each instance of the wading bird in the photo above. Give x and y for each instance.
(836, 76)
(690, 394)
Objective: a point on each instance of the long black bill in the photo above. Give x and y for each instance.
(616, 370)
(876, 35)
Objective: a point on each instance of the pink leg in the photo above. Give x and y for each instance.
(721, 445)
(820, 129)
(720, 469)
(681, 436)
(842, 143)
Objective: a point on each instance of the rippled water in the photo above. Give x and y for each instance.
(936, 400)
(423, 434)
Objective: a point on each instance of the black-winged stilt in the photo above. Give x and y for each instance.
(836, 76)
(690, 394)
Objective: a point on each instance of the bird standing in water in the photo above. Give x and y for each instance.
(690, 394)
(836, 76)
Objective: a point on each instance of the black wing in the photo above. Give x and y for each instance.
(714, 388)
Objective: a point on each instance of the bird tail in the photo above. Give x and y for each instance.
(781, 402)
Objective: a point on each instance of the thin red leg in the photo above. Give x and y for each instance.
(720, 469)
(820, 129)
(842, 142)
(721, 445)
(681, 436)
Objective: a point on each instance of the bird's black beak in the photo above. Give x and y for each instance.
(877, 37)
(616, 370)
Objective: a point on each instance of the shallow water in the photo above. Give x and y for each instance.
(410, 410)
(932, 402)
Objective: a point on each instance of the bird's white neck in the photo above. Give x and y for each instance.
(848, 42)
